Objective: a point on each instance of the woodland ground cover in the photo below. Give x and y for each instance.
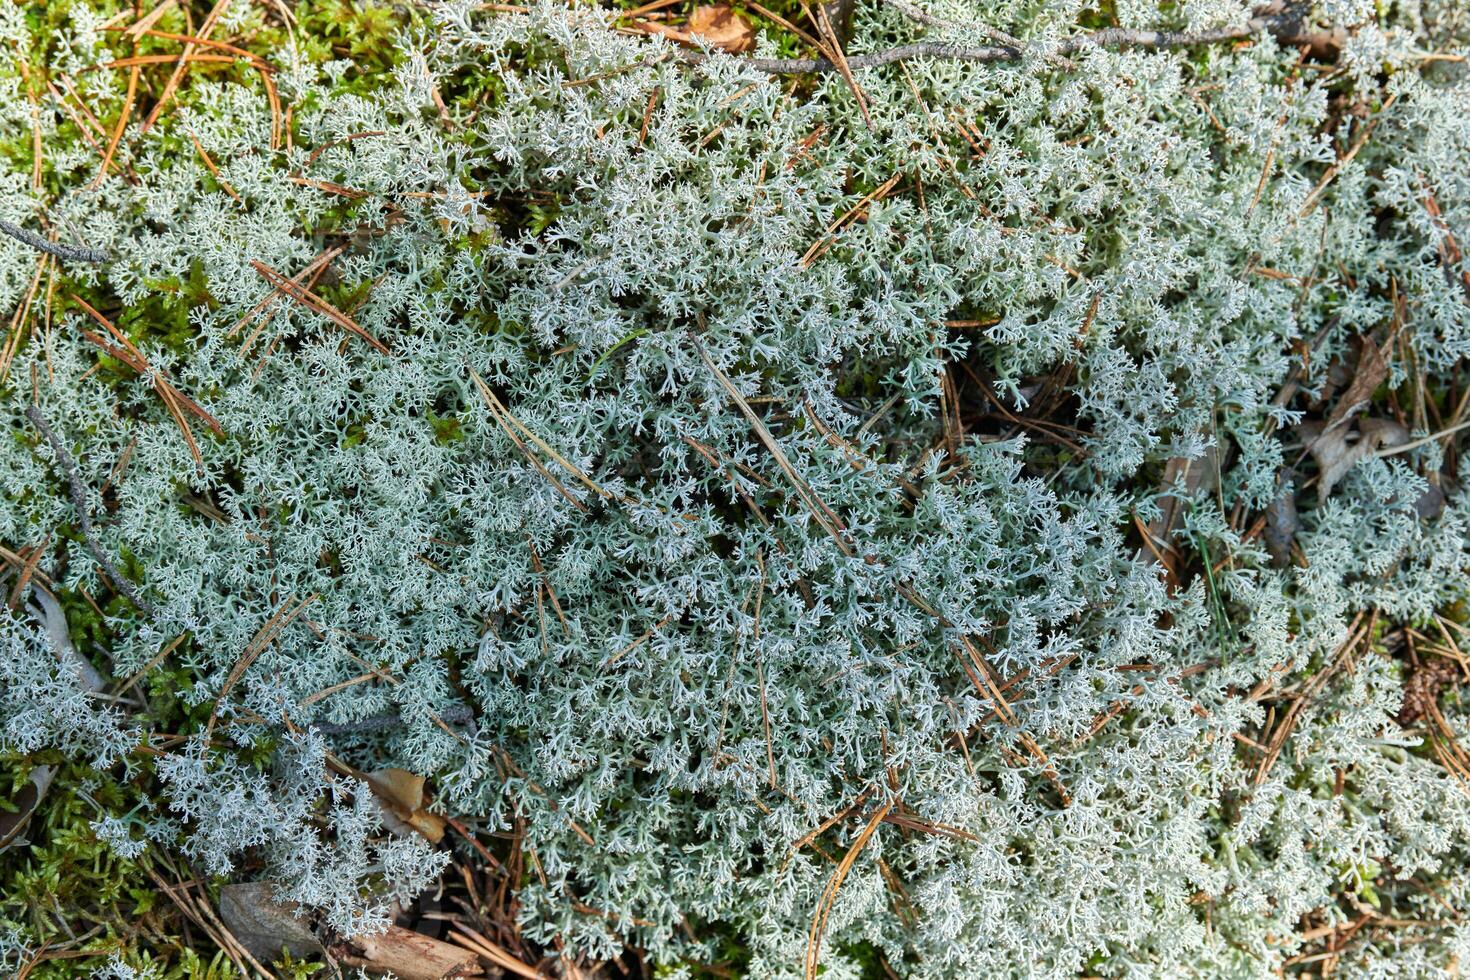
(945, 490)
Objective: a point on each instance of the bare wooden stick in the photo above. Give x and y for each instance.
(84, 519)
(921, 16)
(1285, 27)
(66, 253)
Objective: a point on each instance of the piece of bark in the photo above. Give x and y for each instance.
(410, 955)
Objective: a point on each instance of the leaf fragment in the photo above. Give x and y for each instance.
(1338, 449)
(14, 822)
(722, 28)
(402, 795)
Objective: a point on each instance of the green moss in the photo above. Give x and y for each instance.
(81, 884)
(364, 33)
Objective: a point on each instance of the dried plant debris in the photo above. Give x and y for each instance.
(403, 798)
(1282, 525)
(409, 955)
(16, 812)
(1422, 689)
(1338, 447)
(721, 27)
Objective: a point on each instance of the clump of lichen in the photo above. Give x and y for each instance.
(1028, 486)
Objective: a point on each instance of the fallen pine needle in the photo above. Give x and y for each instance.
(829, 894)
(313, 302)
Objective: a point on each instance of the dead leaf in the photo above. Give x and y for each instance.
(1430, 503)
(27, 798)
(47, 613)
(722, 28)
(1421, 690)
(402, 795)
(265, 926)
(1183, 478)
(1281, 527)
(410, 955)
(1371, 371)
(1339, 448)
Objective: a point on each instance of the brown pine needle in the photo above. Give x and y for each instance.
(327, 187)
(213, 170)
(202, 42)
(808, 838)
(824, 241)
(984, 683)
(1315, 197)
(829, 895)
(496, 409)
(823, 515)
(561, 461)
(19, 321)
(263, 638)
(183, 64)
(647, 635)
(142, 60)
(174, 400)
(498, 955)
(274, 99)
(934, 829)
(313, 302)
(122, 124)
(1282, 732)
(145, 22)
(839, 58)
(773, 16)
(352, 137)
(306, 276)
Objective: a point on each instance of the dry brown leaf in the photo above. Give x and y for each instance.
(402, 795)
(722, 28)
(13, 821)
(1281, 527)
(1183, 478)
(1338, 448)
(1371, 371)
(263, 925)
(1430, 503)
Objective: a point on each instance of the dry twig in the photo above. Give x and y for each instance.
(66, 253)
(1286, 27)
(84, 519)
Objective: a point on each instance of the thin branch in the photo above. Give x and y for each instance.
(66, 253)
(1285, 27)
(455, 714)
(921, 16)
(1426, 440)
(84, 520)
